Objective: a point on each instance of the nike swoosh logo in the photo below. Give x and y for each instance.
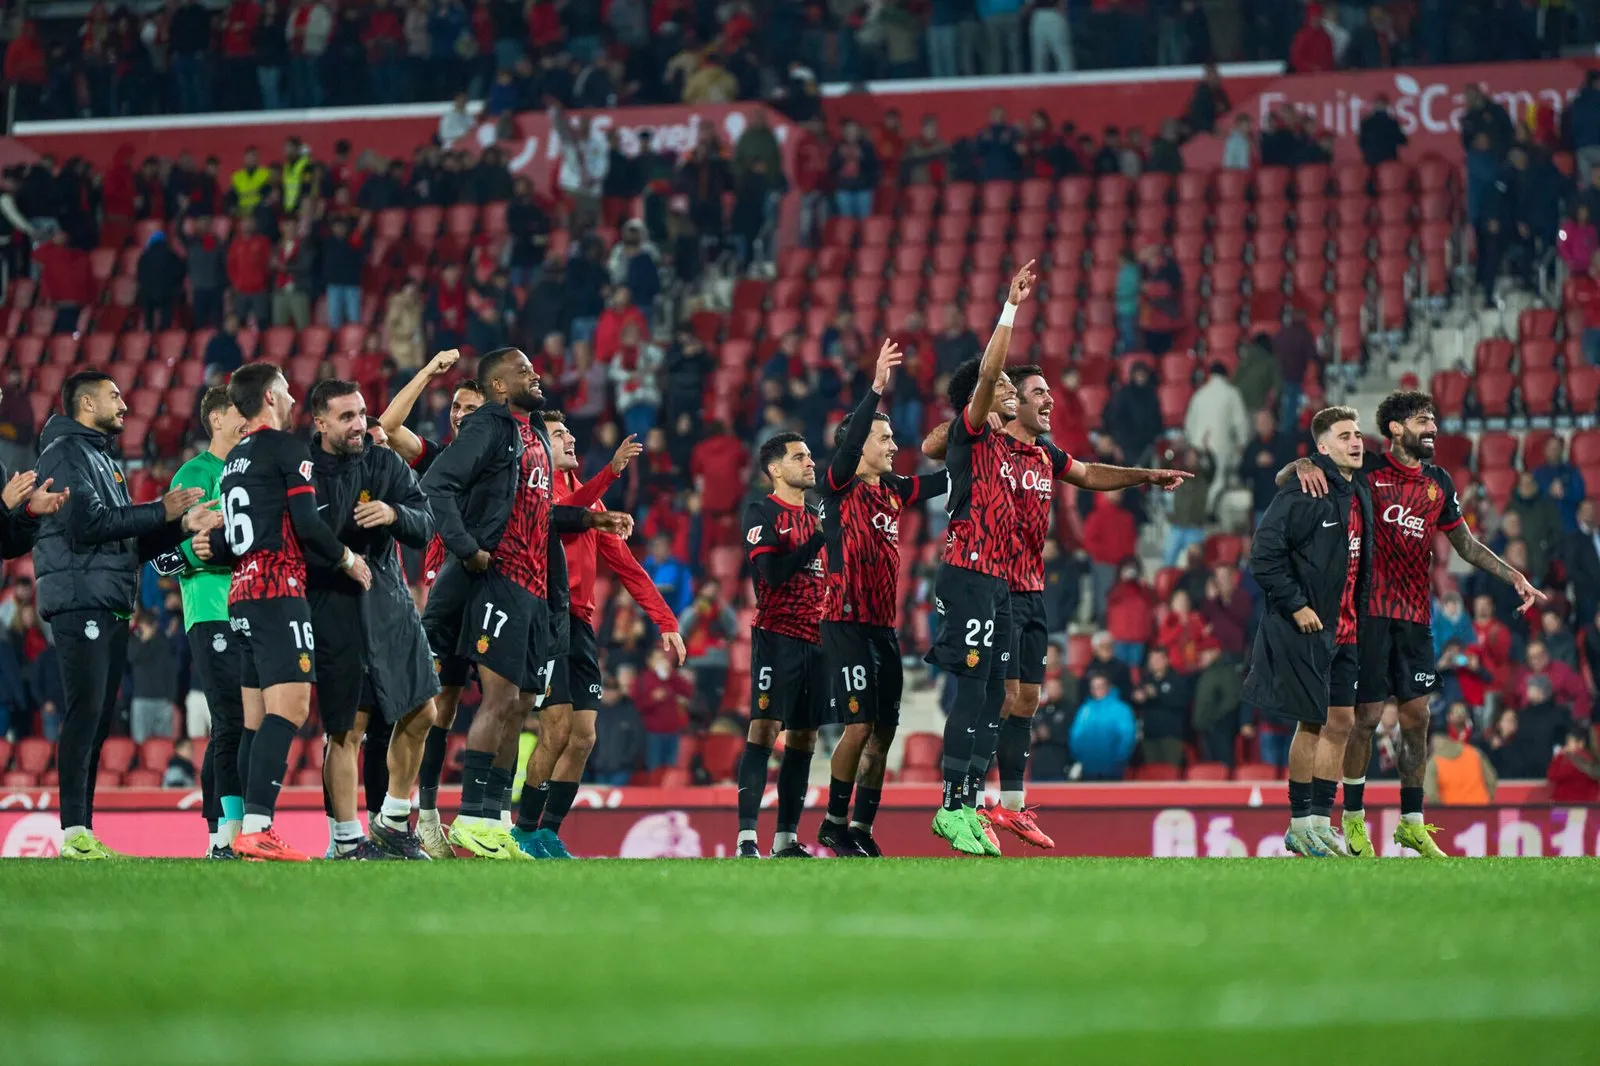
(1328, 525)
(972, 730)
(322, 507)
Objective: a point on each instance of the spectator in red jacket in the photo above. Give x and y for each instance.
(813, 179)
(718, 466)
(544, 25)
(1312, 49)
(662, 697)
(26, 69)
(385, 44)
(116, 190)
(619, 312)
(1108, 533)
(1227, 609)
(64, 280)
(1569, 689)
(1574, 774)
(1492, 643)
(1130, 614)
(1182, 632)
(249, 263)
(238, 47)
(446, 313)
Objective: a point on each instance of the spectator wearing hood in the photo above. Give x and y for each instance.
(1541, 524)
(1561, 482)
(1134, 414)
(1312, 50)
(1103, 733)
(1130, 613)
(1163, 699)
(160, 282)
(1381, 137)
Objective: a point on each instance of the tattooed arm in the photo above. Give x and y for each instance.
(1098, 477)
(1473, 551)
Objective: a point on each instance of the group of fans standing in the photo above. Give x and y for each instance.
(291, 577)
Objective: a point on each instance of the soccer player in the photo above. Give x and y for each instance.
(86, 556)
(373, 655)
(787, 686)
(212, 643)
(1309, 555)
(490, 490)
(270, 532)
(861, 502)
(970, 592)
(1412, 500)
(1034, 465)
(567, 713)
(452, 668)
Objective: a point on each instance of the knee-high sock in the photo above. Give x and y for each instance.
(1015, 736)
(432, 768)
(269, 760)
(752, 783)
(986, 740)
(960, 737)
(794, 771)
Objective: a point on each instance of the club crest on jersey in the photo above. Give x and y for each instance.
(483, 644)
(436, 664)
(117, 476)
(894, 503)
(305, 469)
(855, 705)
(219, 643)
(754, 536)
(365, 497)
(91, 630)
(305, 663)
(972, 658)
(763, 701)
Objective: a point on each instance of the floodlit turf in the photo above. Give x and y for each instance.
(914, 961)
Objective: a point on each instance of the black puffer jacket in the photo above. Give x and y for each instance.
(87, 555)
(1300, 555)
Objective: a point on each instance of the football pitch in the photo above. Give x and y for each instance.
(914, 961)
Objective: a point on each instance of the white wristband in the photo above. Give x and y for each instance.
(348, 561)
(1008, 314)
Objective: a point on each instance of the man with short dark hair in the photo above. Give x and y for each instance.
(86, 562)
(373, 660)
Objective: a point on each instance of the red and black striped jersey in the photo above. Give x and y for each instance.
(523, 553)
(793, 605)
(1031, 472)
(861, 528)
(434, 556)
(1349, 604)
(981, 506)
(261, 474)
(1409, 505)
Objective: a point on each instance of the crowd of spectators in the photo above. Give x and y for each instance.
(188, 56)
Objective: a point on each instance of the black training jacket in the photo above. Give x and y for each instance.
(1300, 556)
(87, 555)
(378, 628)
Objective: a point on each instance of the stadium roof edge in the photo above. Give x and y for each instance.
(1084, 79)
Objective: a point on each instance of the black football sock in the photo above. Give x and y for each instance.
(1299, 799)
(1322, 793)
(531, 808)
(375, 765)
(475, 769)
(562, 793)
(1015, 737)
(839, 800)
(794, 772)
(269, 760)
(432, 768)
(247, 737)
(1410, 801)
(960, 738)
(210, 804)
(752, 783)
(1355, 794)
(986, 741)
(867, 800)
(499, 788)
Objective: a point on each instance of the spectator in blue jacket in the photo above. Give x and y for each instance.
(1562, 482)
(671, 575)
(1103, 733)
(1450, 622)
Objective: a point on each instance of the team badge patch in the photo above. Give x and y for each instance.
(754, 536)
(305, 469)
(117, 474)
(483, 644)
(972, 658)
(855, 705)
(365, 497)
(1433, 491)
(305, 663)
(91, 630)
(894, 503)
(763, 701)
(219, 643)
(436, 664)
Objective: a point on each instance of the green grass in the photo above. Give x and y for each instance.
(914, 961)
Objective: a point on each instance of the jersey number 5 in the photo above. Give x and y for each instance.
(236, 523)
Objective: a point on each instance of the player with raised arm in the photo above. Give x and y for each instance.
(1412, 500)
(567, 714)
(861, 502)
(270, 532)
(1033, 467)
(490, 491)
(788, 689)
(453, 670)
(213, 646)
(1310, 557)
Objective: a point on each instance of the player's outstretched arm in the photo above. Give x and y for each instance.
(847, 456)
(1098, 477)
(994, 356)
(616, 555)
(1475, 552)
(406, 444)
(937, 443)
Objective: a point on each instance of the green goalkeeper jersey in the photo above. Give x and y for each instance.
(205, 587)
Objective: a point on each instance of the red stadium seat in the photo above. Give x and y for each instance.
(143, 778)
(1537, 354)
(1496, 451)
(1536, 322)
(923, 749)
(155, 753)
(1494, 353)
(23, 779)
(1174, 400)
(719, 755)
(1498, 484)
(33, 755)
(1449, 389)
(1583, 388)
(1493, 390)
(1539, 389)
(1255, 771)
(1159, 771)
(1207, 771)
(1533, 443)
(116, 754)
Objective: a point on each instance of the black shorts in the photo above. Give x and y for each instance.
(865, 677)
(786, 681)
(974, 637)
(1396, 660)
(1344, 677)
(441, 620)
(218, 661)
(506, 629)
(576, 677)
(1030, 638)
(277, 646)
